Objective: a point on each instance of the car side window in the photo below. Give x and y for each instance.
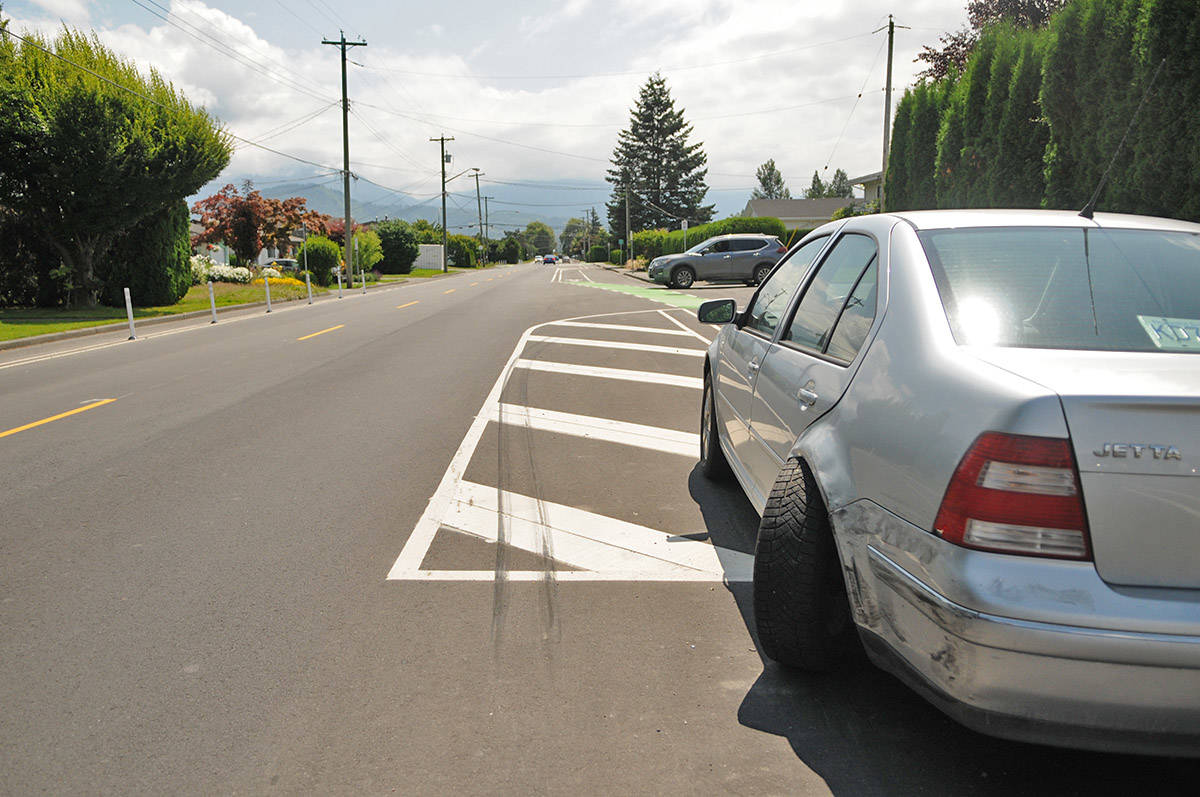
(719, 246)
(773, 297)
(829, 291)
(857, 316)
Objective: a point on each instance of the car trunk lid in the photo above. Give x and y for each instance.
(1134, 420)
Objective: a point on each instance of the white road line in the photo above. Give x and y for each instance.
(585, 276)
(670, 441)
(408, 563)
(615, 344)
(624, 327)
(686, 329)
(557, 275)
(585, 539)
(650, 377)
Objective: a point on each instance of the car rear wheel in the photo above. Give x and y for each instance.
(800, 606)
(713, 464)
(683, 277)
(761, 271)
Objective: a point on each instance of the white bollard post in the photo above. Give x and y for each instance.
(307, 282)
(339, 276)
(267, 286)
(212, 302)
(129, 312)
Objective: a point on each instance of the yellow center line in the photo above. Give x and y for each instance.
(322, 332)
(61, 415)
(402, 306)
(489, 279)
(449, 291)
(473, 284)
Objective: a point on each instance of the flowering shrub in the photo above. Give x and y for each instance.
(201, 264)
(276, 281)
(270, 272)
(219, 273)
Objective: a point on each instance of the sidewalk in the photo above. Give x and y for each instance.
(628, 272)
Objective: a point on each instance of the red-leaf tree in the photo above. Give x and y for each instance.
(246, 221)
(957, 47)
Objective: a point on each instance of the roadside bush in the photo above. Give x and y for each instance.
(614, 257)
(270, 272)
(30, 269)
(222, 273)
(201, 265)
(399, 245)
(460, 251)
(152, 259)
(597, 254)
(323, 256)
(511, 250)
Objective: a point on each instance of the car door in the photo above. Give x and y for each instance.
(744, 344)
(806, 370)
(745, 257)
(713, 264)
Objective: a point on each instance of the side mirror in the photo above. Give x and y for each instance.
(718, 311)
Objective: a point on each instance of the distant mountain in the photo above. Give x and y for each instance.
(511, 205)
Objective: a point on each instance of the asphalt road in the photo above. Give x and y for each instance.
(420, 541)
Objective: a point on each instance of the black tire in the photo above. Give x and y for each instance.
(713, 464)
(682, 277)
(800, 605)
(760, 272)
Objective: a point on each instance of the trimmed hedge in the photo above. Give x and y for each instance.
(152, 259)
(597, 254)
(461, 251)
(653, 243)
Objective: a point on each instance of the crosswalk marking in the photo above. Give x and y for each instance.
(616, 344)
(589, 540)
(671, 441)
(623, 327)
(651, 377)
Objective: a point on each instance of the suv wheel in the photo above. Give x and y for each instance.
(760, 273)
(801, 610)
(683, 277)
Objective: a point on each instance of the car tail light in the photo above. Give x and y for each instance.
(1016, 494)
(782, 250)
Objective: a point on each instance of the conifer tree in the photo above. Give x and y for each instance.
(898, 180)
(1017, 179)
(817, 188)
(929, 103)
(770, 183)
(664, 174)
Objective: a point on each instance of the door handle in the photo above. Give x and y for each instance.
(807, 397)
(753, 365)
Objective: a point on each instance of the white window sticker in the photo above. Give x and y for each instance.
(1172, 334)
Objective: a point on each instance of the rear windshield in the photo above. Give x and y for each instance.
(1069, 288)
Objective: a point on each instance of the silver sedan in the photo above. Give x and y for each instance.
(974, 441)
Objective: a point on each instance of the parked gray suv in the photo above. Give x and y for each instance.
(746, 257)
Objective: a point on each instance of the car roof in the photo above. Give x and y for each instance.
(948, 219)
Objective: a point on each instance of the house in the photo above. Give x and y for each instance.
(221, 253)
(796, 214)
(872, 186)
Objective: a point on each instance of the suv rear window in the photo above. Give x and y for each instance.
(748, 244)
(1069, 288)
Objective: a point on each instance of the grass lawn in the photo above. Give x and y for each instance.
(23, 322)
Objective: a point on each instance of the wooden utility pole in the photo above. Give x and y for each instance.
(887, 108)
(445, 237)
(479, 209)
(348, 248)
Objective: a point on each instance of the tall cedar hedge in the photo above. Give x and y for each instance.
(1036, 115)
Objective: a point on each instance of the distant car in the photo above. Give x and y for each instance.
(973, 438)
(549, 260)
(284, 264)
(742, 257)
(538, 259)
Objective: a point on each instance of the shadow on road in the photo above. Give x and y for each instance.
(865, 733)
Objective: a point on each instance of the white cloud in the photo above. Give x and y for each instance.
(72, 11)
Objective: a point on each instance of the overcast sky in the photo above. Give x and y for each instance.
(532, 90)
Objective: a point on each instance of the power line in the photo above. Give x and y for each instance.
(850, 115)
(628, 73)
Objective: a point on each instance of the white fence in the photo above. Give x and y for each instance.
(430, 256)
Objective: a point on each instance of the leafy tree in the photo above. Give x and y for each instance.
(152, 259)
(840, 185)
(30, 270)
(770, 183)
(96, 156)
(427, 232)
(957, 47)
(663, 175)
(461, 251)
(399, 246)
(246, 221)
(540, 237)
(370, 250)
(322, 256)
(571, 239)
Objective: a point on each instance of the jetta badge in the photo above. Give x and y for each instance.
(1137, 451)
